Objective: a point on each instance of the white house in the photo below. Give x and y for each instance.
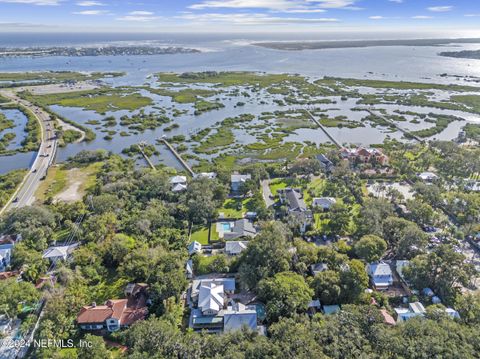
(237, 181)
(179, 183)
(194, 247)
(428, 176)
(189, 269)
(211, 298)
(59, 253)
(234, 248)
(5, 256)
(380, 275)
(415, 309)
(324, 202)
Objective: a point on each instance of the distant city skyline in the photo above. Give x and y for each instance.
(239, 15)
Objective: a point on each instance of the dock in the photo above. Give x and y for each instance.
(407, 133)
(324, 129)
(149, 161)
(178, 157)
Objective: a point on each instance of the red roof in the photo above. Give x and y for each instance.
(126, 311)
(387, 318)
(6, 275)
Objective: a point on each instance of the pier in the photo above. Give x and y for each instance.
(407, 133)
(178, 157)
(323, 129)
(149, 161)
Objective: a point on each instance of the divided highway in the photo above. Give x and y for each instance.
(24, 196)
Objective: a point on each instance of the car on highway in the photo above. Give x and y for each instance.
(15, 200)
(34, 171)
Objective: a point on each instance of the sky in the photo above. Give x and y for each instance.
(238, 15)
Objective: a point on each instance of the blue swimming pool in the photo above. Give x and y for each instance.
(226, 226)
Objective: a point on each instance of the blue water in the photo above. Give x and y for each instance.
(226, 227)
(233, 53)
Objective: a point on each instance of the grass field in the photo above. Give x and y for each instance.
(233, 208)
(200, 235)
(230, 78)
(395, 85)
(100, 101)
(54, 76)
(67, 184)
(471, 101)
(185, 95)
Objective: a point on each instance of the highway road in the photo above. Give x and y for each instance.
(26, 191)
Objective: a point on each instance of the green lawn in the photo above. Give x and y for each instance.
(234, 207)
(281, 183)
(213, 233)
(231, 78)
(100, 101)
(200, 235)
(317, 187)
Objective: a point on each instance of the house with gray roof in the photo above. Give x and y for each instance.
(325, 163)
(234, 248)
(5, 255)
(194, 247)
(210, 311)
(238, 316)
(238, 229)
(293, 199)
(238, 180)
(381, 275)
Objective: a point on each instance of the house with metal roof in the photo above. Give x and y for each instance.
(238, 180)
(293, 198)
(194, 247)
(324, 203)
(238, 316)
(211, 298)
(237, 229)
(59, 253)
(380, 275)
(5, 255)
(234, 248)
(179, 183)
(325, 163)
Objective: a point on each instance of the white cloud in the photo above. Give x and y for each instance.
(472, 15)
(34, 2)
(440, 8)
(141, 13)
(300, 6)
(90, 3)
(422, 17)
(91, 12)
(139, 16)
(397, 1)
(252, 19)
(376, 17)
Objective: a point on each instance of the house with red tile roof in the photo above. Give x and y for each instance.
(115, 313)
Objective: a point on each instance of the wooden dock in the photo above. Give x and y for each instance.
(407, 133)
(149, 161)
(178, 157)
(323, 129)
